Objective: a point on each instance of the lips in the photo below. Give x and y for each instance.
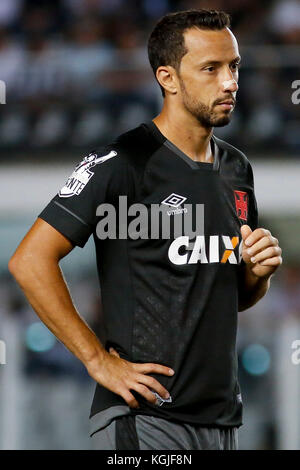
(229, 102)
(227, 105)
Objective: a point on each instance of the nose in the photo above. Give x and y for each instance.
(230, 85)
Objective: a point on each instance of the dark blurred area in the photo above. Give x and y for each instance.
(77, 73)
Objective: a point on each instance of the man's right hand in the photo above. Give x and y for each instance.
(121, 376)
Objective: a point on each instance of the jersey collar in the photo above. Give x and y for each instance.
(194, 165)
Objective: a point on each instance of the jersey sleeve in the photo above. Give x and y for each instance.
(97, 179)
(252, 209)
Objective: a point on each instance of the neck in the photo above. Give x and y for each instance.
(184, 131)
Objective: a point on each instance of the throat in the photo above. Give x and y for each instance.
(208, 157)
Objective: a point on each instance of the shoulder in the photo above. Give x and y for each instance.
(137, 146)
(116, 165)
(233, 160)
(233, 151)
(132, 148)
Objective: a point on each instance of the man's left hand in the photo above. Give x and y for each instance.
(261, 251)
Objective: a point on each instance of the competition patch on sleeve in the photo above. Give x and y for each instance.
(82, 174)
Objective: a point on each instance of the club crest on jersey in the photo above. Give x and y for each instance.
(241, 204)
(82, 174)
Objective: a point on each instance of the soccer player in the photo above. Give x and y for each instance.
(167, 374)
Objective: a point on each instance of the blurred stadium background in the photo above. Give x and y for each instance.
(77, 74)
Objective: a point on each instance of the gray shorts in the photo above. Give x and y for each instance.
(142, 432)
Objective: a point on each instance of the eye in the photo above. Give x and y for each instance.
(236, 66)
(210, 68)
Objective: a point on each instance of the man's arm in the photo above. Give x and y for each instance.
(35, 266)
(262, 256)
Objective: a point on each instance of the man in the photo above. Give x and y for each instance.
(167, 376)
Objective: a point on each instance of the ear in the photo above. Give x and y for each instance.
(166, 76)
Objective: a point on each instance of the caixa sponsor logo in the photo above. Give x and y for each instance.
(2, 352)
(211, 249)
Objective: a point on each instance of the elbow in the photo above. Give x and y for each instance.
(19, 267)
(14, 265)
(27, 265)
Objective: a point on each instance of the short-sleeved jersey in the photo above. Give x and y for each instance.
(171, 300)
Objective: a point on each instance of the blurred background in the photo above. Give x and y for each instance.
(77, 75)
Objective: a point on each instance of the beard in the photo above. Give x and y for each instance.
(205, 115)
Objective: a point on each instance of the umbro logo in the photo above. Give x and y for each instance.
(174, 200)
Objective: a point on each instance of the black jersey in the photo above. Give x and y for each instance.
(171, 300)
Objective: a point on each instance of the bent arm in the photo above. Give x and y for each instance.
(251, 288)
(35, 266)
(262, 256)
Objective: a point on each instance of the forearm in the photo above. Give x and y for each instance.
(47, 292)
(251, 288)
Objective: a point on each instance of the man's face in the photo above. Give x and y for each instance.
(208, 75)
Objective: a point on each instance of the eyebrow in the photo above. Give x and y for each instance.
(218, 62)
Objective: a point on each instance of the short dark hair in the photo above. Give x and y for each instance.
(166, 42)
